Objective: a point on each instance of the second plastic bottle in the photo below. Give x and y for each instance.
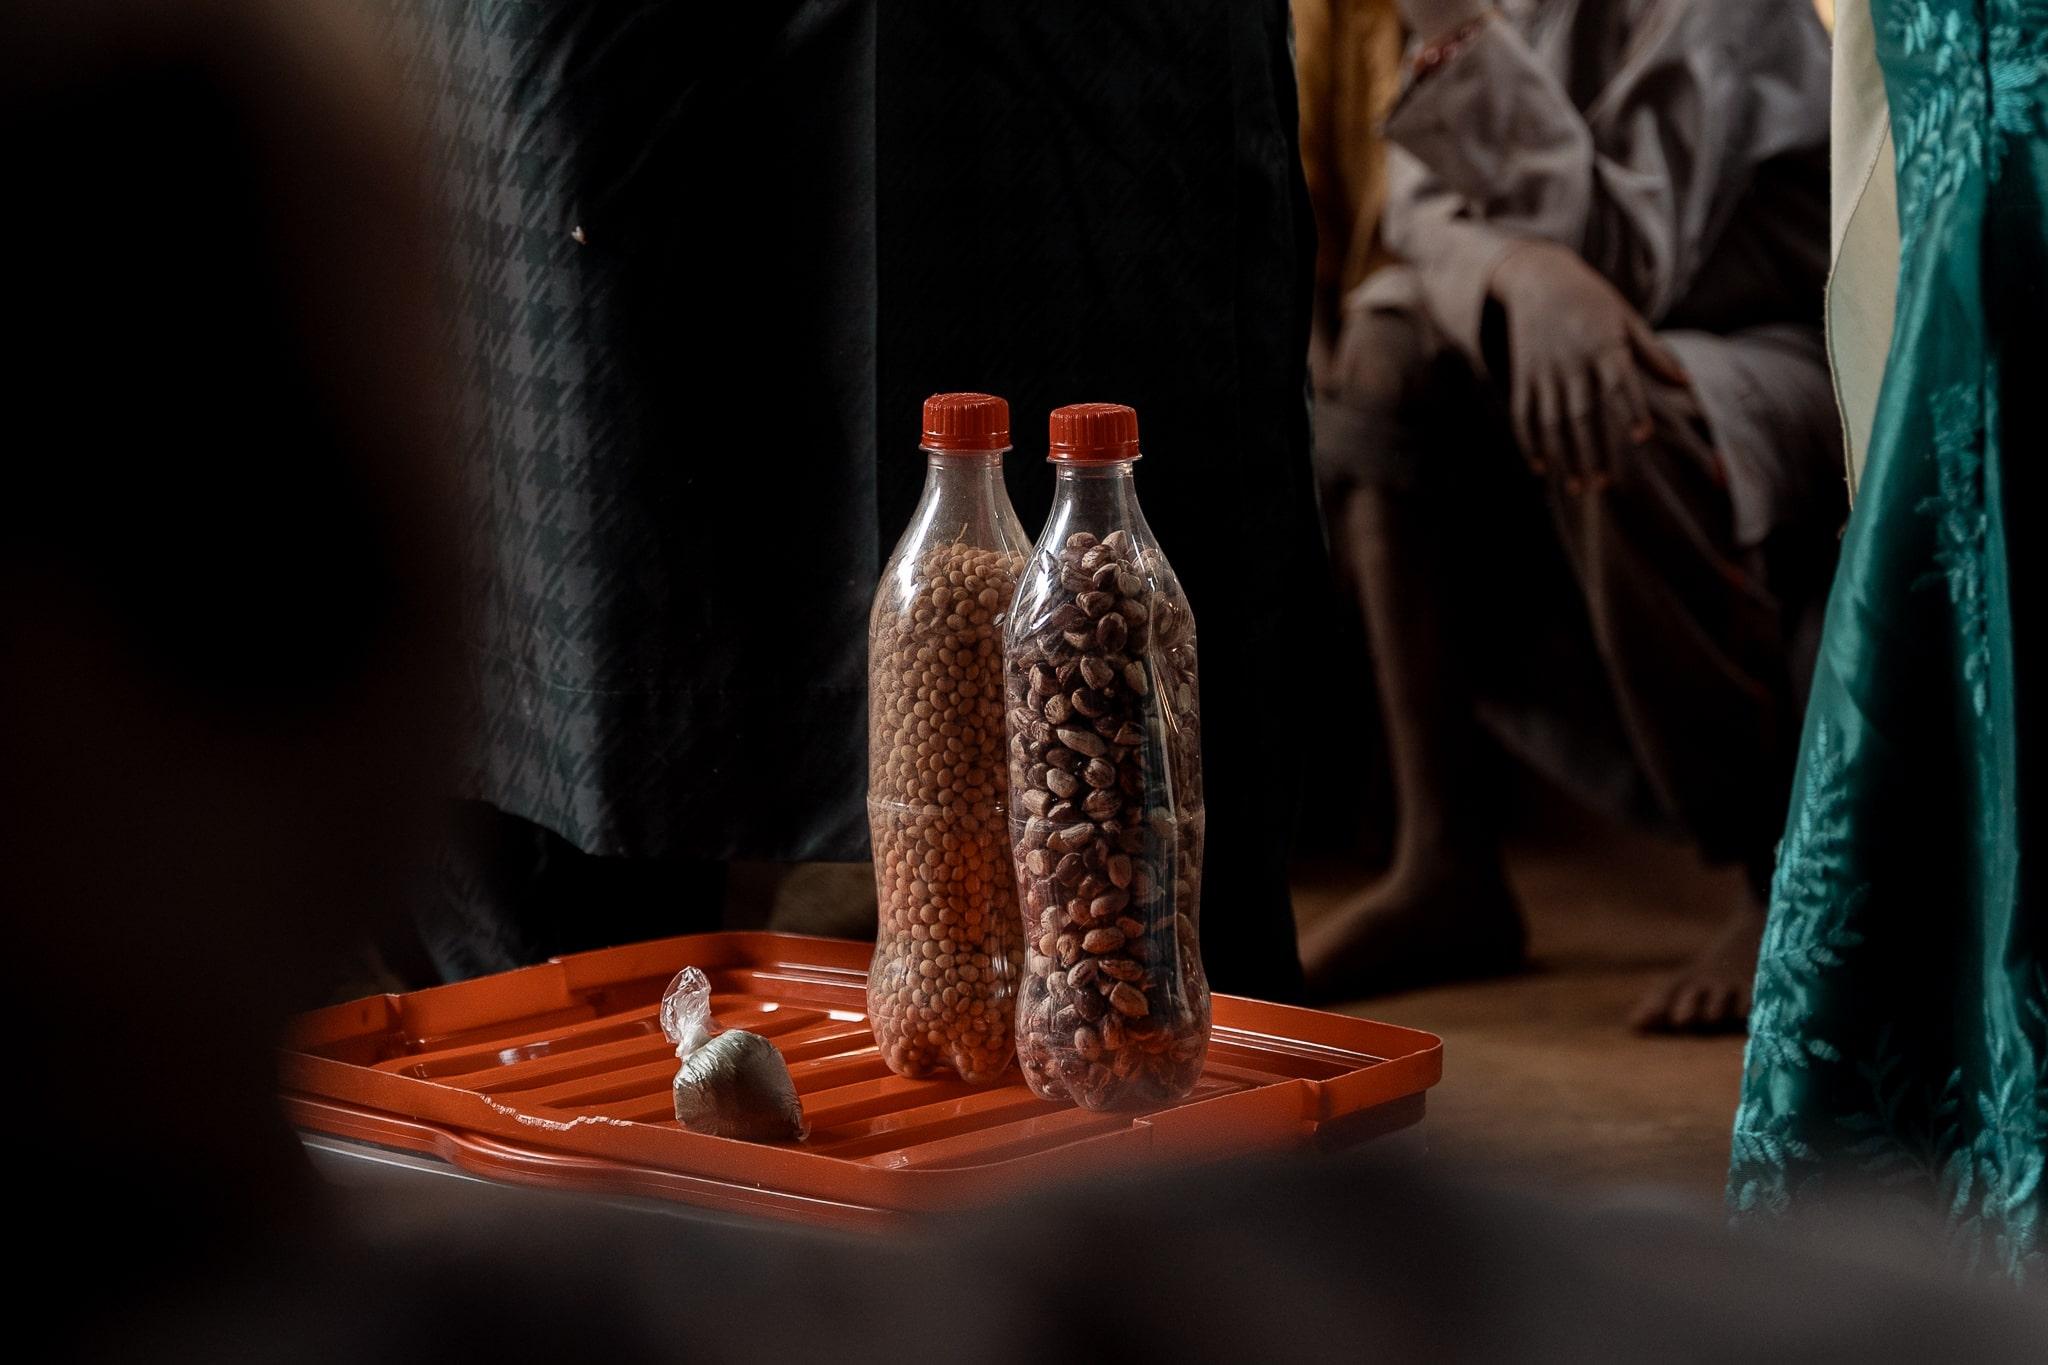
(942, 989)
(1106, 814)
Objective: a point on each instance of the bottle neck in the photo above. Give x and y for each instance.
(962, 464)
(1099, 498)
(964, 501)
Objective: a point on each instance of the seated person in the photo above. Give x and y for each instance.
(1582, 454)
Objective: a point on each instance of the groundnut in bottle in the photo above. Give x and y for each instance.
(1105, 769)
(942, 988)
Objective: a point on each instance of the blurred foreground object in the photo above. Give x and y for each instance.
(1900, 1037)
(222, 588)
(1582, 456)
(1383, 1263)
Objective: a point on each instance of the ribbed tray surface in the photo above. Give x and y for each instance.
(567, 1060)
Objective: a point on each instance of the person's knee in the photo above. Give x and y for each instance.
(1369, 423)
(1384, 360)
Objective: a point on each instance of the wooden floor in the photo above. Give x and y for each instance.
(1543, 1084)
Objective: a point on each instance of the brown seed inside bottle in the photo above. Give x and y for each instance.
(942, 991)
(1103, 705)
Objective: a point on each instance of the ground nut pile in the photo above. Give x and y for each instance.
(941, 992)
(1105, 777)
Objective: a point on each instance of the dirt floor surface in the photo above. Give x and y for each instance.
(1544, 1086)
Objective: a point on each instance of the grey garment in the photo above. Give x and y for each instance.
(1771, 409)
(1639, 655)
(1680, 147)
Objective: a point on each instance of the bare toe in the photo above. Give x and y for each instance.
(1687, 1006)
(1711, 993)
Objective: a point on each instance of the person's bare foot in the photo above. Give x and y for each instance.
(1414, 931)
(1711, 993)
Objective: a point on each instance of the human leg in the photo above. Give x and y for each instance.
(1444, 909)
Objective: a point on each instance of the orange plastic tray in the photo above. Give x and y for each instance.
(559, 1075)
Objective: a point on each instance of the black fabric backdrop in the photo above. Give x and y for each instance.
(696, 425)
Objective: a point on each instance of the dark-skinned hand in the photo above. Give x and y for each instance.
(1578, 356)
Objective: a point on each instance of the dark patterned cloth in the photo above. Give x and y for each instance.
(663, 257)
(696, 415)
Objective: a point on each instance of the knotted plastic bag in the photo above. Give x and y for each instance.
(731, 1084)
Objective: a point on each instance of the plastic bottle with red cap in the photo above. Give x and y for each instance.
(942, 987)
(1105, 777)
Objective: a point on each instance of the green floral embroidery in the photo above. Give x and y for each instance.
(1938, 119)
(1805, 940)
(1975, 1157)
(1812, 908)
(1899, 1042)
(1959, 521)
(1995, 1183)
(2017, 57)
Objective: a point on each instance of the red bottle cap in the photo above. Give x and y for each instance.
(1093, 433)
(966, 421)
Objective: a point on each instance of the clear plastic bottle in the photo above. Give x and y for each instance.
(942, 989)
(1106, 817)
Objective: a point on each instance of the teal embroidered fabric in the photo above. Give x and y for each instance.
(1899, 1042)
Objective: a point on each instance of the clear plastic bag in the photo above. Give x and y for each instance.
(1106, 810)
(732, 1083)
(942, 987)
